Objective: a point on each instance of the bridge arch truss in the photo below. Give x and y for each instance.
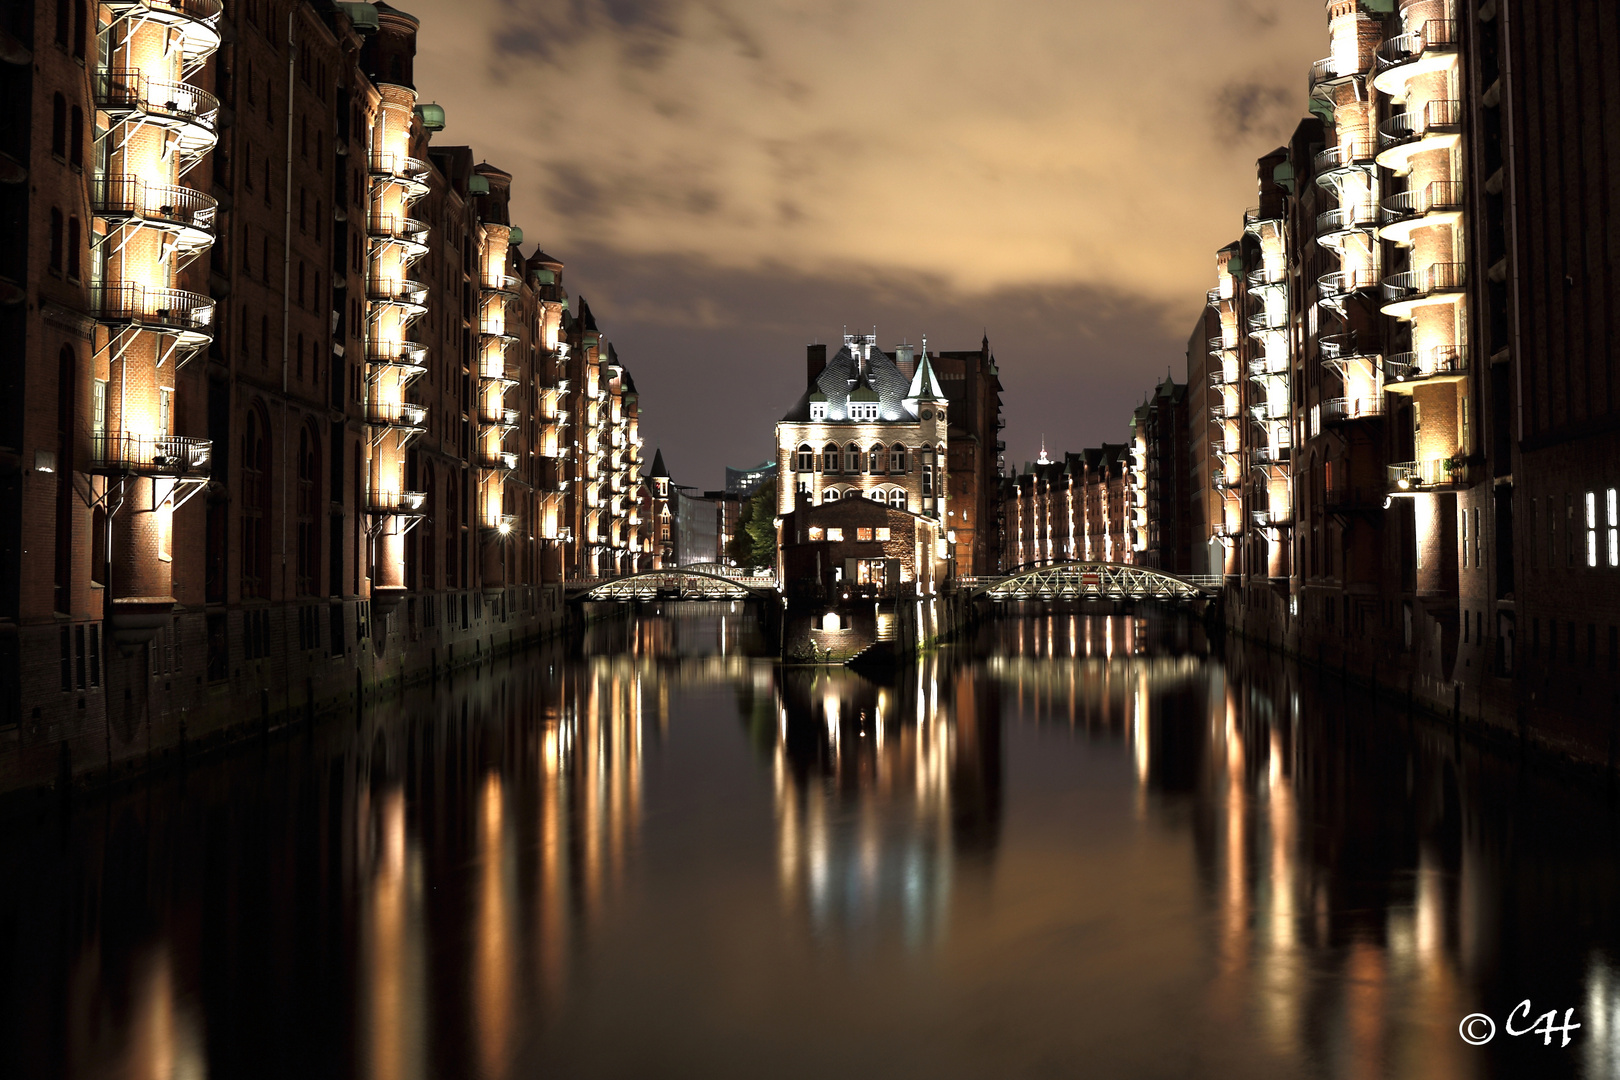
(1094, 581)
(683, 584)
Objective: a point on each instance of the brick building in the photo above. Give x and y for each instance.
(1076, 509)
(286, 412)
(1410, 420)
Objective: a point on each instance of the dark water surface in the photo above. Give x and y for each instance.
(1075, 847)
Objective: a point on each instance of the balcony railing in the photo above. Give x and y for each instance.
(396, 503)
(1437, 196)
(1223, 482)
(1435, 117)
(125, 92)
(1431, 280)
(1415, 475)
(1344, 409)
(1339, 284)
(408, 356)
(1406, 367)
(502, 417)
(1330, 72)
(1267, 367)
(497, 459)
(1343, 346)
(163, 205)
(1225, 410)
(1218, 378)
(1266, 277)
(1346, 219)
(1272, 455)
(399, 167)
(178, 456)
(404, 415)
(1353, 154)
(501, 283)
(1435, 35)
(174, 311)
(405, 230)
(1267, 321)
(402, 291)
(1267, 411)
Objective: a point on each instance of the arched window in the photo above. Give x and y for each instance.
(64, 21)
(874, 462)
(877, 495)
(309, 536)
(56, 241)
(897, 458)
(76, 135)
(852, 458)
(807, 458)
(78, 27)
(829, 458)
(830, 495)
(255, 505)
(927, 471)
(59, 126)
(897, 499)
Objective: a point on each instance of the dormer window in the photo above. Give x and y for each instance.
(863, 411)
(818, 410)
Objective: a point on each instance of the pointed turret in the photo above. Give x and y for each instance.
(924, 384)
(658, 470)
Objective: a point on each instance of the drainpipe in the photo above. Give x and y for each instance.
(286, 291)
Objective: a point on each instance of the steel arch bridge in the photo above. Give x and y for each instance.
(682, 584)
(1096, 581)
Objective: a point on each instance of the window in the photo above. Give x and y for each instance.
(875, 460)
(76, 137)
(829, 458)
(1613, 507)
(1591, 529)
(852, 458)
(818, 410)
(817, 532)
(897, 499)
(807, 458)
(64, 21)
(59, 126)
(830, 495)
(255, 506)
(78, 28)
(1464, 514)
(881, 532)
(75, 239)
(897, 459)
(877, 495)
(835, 534)
(863, 533)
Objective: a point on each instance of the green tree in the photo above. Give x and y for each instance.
(755, 542)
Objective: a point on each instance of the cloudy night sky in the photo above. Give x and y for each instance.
(727, 180)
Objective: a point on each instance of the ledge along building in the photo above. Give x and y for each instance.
(286, 411)
(1403, 421)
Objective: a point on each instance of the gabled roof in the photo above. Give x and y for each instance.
(924, 386)
(658, 464)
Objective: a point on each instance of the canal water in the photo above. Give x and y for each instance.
(1072, 847)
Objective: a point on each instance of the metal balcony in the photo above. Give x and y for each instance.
(1434, 126)
(396, 503)
(1432, 47)
(1340, 285)
(120, 453)
(1405, 291)
(1254, 217)
(193, 20)
(504, 460)
(505, 284)
(1445, 363)
(1420, 475)
(407, 357)
(1333, 225)
(1346, 409)
(1327, 75)
(1436, 202)
(1223, 410)
(1265, 277)
(506, 418)
(1266, 412)
(400, 292)
(183, 213)
(187, 315)
(1267, 321)
(190, 113)
(1268, 456)
(401, 169)
(1334, 163)
(496, 376)
(407, 232)
(404, 415)
(1267, 367)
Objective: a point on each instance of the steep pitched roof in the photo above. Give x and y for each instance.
(843, 379)
(924, 385)
(658, 463)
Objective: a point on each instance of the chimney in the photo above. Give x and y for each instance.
(905, 358)
(815, 360)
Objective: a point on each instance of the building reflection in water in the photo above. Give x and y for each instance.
(887, 798)
(419, 891)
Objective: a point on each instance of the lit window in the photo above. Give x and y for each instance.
(882, 532)
(817, 532)
(1591, 528)
(818, 410)
(863, 533)
(1614, 528)
(830, 495)
(835, 534)
(807, 458)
